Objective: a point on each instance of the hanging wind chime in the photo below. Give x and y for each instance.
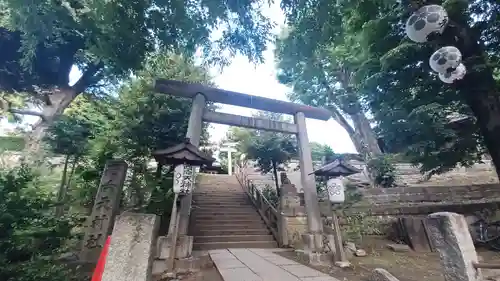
(430, 20)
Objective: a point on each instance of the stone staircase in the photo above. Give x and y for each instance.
(223, 216)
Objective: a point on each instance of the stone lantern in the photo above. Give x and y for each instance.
(184, 157)
(334, 172)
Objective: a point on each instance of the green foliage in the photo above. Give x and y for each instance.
(270, 149)
(11, 143)
(149, 121)
(271, 195)
(69, 135)
(360, 225)
(382, 171)
(318, 151)
(31, 238)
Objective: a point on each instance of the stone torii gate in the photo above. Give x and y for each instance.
(201, 94)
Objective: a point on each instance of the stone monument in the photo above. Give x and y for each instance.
(100, 222)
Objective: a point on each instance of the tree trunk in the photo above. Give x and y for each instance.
(276, 181)
(136, 197)
(61, 194)
(60, 99)
(363, 128)
(72, 171)
(484, 101)
(362, 135)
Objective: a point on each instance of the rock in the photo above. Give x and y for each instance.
(343, 264)
(68, 257)
(380, 274)
(348, 253)
(398, 247)
(351, 246)
(360, 253)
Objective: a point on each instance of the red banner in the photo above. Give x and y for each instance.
(99, 269)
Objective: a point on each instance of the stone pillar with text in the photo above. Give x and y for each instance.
(107, 201)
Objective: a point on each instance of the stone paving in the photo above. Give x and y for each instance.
(262, 265)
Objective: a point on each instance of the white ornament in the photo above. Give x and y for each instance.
(446, 59)
(335, 190)
(457, 74)
(425, 21)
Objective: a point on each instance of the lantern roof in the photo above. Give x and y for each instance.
(183, 153)
(338, 167)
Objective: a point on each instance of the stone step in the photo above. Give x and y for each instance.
(229, 221)
(219, 192)
(225, 226)
(232, 238)
(241, 215)
(224, 232)
(220, 195)
(225, 217)
(221, 200)
(225, 245)
(215, 211)
(218, 204)
(221, 210)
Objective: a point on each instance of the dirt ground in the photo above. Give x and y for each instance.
(409, 266)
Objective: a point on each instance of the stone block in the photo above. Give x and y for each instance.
(380, 274)
(451, 238)
(131, 252)
(398, 247)
(290, 205)
(295, 227)
(320, 259)
(313, 242)
(162, 248)
(350, 246)
(184, 247)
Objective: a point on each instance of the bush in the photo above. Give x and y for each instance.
(31, 237)
(271, 195)
(382, 171)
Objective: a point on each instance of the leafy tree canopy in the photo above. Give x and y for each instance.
(269, 149)
(42, 41)
(390, 74)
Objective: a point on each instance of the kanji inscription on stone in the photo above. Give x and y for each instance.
(100, 222)
(184, 176)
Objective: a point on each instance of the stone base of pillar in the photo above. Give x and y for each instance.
(184, 247)
(319, 249)
(315, 259)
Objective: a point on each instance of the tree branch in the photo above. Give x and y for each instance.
(26, 112)
(87, 77)
(335, 111)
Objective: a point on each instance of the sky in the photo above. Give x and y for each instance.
(259, 80)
